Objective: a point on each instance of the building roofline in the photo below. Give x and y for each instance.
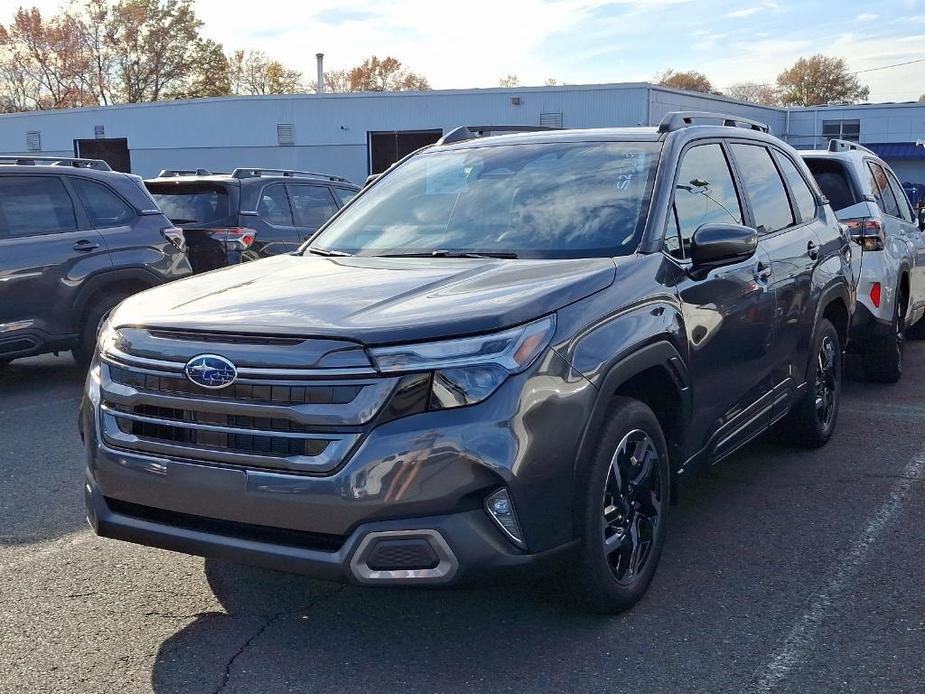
(513, 91)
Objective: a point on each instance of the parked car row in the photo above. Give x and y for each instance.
(248, 213)
(506, 354)
(76, 238)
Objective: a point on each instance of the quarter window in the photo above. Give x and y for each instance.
(105, 208)
(274, 206)
(880, 185)
(345, 195)
(32, 205)
(704, 193)
(802, 195)
(312, 206)
(764, 187)
(905, 209)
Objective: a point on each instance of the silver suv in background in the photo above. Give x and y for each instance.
(869, 200)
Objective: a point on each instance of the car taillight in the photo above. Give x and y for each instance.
(866, 232)
(175, 236)
(240, 236)
(875, 294)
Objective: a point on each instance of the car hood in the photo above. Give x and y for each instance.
(371, 300)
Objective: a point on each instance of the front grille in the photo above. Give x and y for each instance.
(282, 394)
(246, 531)
(296, 422)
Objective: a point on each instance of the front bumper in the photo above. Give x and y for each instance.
(473, 546)
(426, 475)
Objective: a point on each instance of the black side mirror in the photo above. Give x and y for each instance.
(715, 245)
(922, 219)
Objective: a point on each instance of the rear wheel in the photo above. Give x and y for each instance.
(812, 420)
(883, 358)
(622, 502)
(93, 319)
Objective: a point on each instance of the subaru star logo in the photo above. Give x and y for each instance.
(211, 371)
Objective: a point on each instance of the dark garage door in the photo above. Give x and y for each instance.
(386, 148)
(112, 150)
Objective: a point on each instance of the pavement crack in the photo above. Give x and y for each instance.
(268, 622)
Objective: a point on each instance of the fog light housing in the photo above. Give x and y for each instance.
(500, 508)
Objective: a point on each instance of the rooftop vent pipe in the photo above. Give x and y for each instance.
(320, 88)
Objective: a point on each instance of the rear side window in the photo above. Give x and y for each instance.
(905, 209)
(833, 180)
(312, 206)
(191, 203)
(345, 195)
(764, 188)
(880, 185)
(32, 205)
(105, 208)
(273, 207)
(704, 194)
(802, 195)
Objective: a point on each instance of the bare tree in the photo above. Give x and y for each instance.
(254, 72)
(755, 92)
(509, 81)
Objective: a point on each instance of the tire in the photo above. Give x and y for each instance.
(882, 359)
(93, 318)
(611, 574)
(812, 420)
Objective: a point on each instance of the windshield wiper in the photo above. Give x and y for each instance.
(453, 254)
(326, 252)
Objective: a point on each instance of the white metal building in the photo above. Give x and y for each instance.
(355, 134)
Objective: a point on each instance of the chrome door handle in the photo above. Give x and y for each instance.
(762, 271)
(812, 249)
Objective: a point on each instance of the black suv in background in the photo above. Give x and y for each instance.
(75, 239)
(249, 213)
(505, 353)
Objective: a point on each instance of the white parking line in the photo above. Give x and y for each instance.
(797, 646)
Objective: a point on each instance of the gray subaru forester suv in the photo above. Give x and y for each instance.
(503, 355)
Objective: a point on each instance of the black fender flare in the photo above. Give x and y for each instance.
(838, 289)
(661, 354)
(101, 280)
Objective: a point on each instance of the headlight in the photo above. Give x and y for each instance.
(107, 337)
(469, 369)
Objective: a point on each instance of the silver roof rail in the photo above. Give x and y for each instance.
(261, 171)
(173, 173)
(470, 132)
(836, 145)
(77, 162)
(676, 120)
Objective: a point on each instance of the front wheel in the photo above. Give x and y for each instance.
(812, 420)
(622, 501)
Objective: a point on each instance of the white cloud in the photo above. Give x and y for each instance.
(747, 12)
(866, 17)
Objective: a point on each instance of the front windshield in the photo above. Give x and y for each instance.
(556, 200)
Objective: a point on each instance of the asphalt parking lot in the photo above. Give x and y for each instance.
(785, 570)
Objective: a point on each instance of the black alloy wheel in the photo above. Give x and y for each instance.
(632, 505)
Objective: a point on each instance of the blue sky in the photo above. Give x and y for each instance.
(474, 43)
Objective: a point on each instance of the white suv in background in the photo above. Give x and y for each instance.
(869, 200)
